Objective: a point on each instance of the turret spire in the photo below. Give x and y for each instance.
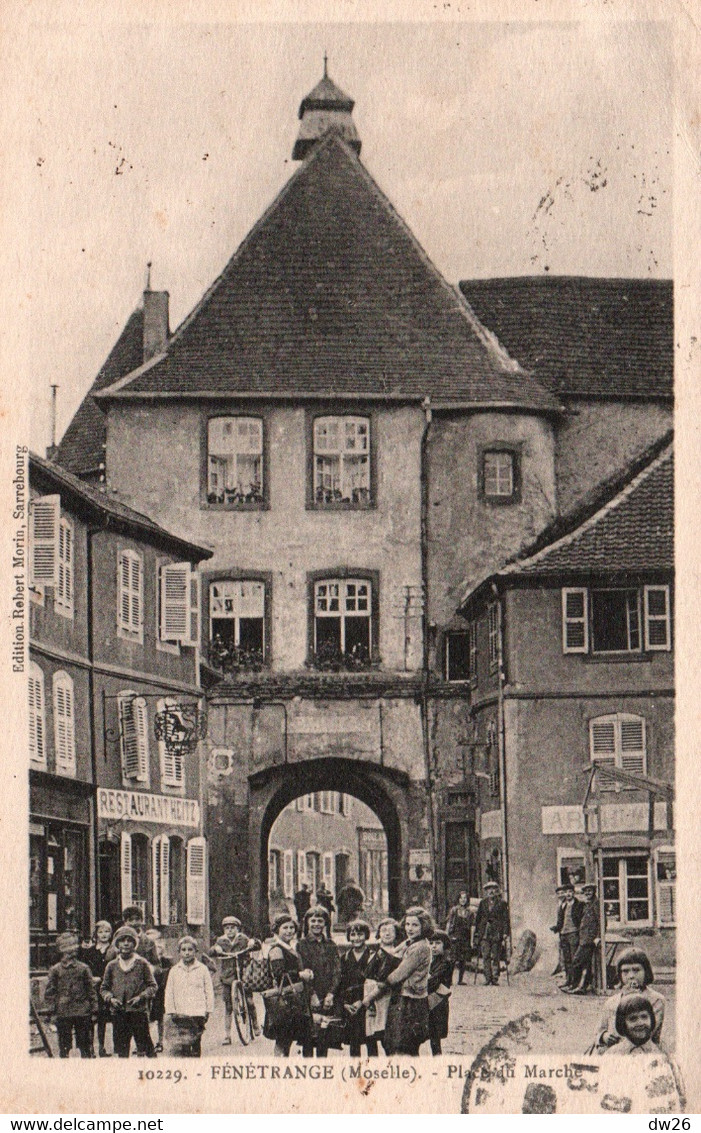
(326, 108)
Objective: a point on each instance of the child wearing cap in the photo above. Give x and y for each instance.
(96, 957)
(189, 1001)
(127, 988)
(233, 942)
(71, 997)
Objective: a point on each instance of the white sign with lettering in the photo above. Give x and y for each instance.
(562, 820)
(142, 807)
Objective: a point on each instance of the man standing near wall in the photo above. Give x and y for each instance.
(582, 962)
(492, 931)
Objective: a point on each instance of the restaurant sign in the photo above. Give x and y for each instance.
(141, 807)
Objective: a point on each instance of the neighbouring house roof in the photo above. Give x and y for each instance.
(629, 530)
(583, 337)
(82, 447)
(331, 295)
(98, 506)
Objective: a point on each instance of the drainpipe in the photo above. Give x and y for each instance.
(501, 738)
(428, 417)
(89, 613)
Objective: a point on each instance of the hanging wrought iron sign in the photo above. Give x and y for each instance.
(181, 726)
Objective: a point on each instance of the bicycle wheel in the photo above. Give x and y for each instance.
(241, 1016)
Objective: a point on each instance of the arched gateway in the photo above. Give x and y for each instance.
(383, 791)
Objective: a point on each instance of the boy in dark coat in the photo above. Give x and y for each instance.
(128, 987)
(583, 959)
(71, 997)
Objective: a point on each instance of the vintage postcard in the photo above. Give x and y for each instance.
(350, 661)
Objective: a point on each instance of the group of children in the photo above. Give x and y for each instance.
(126, 980)
(393, 992)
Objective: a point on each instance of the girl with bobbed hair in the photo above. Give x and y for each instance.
(354, 963)
(284, 960)
(407, 1016)
(635, 1023)
(634, 975)
(95, 956)
(319, 955)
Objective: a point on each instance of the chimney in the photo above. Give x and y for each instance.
(156, 329)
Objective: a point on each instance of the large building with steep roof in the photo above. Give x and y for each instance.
(358, 447)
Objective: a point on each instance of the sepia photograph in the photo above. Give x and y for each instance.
(342, 566)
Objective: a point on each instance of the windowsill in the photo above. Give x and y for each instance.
(253, 505)
(136, 785)
(63, 611)
(341, 505)
(171, 647)
(636, 658)
(169, 789)
(501, 501)
(130, 635)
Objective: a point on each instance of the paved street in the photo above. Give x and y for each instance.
(478, 1012)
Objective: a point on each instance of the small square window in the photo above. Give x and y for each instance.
(500, 479)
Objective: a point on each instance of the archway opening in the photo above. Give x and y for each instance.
(368, 852)
(329, 846)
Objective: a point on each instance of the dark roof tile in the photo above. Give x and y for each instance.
(583, 336)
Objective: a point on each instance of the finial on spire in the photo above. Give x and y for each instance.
(148, 275)
(326, 60)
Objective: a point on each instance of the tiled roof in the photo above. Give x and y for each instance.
(331, 295)
(97, 502)
(583, 337)
(82, 447)
(630, 532)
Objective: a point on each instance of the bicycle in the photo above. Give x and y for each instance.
(239, 1003)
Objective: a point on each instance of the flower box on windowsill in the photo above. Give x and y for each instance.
(230, 498)
(333, 661)
(232, 660)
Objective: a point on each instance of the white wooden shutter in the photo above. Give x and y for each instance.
(37, 731)
(287, 874)
(125, 868)
(301, 867)
(44, 534)
(64, 724)
(658, 635)
(156, 879)
(632, 746)
(196, 881)
(133, 726)
(327, 871)
(130, 592)
(180, 604)
(165, 879)
(603, 749)
(575, 624)
(172, 762)
(63, 597)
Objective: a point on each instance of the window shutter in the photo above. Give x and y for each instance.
(633, 744)
(64, 727)
(164, 895)
(172, 765)
(196, 880)
(125, 868)
(180, 604)
(288, 879)
(603, 749)
(64, 589)
(301, 868)
(327, 870)
(37, 745)
(44, 530)
(133, 725)
(658, 635)
(575, 625)
(195, 591)
(156, 879)
(135, 587)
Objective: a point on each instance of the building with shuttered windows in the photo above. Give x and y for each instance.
(116, 813)
(572, 692)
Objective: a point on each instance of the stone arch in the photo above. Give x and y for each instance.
(385, 791)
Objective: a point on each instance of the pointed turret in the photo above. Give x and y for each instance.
(324, 109)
